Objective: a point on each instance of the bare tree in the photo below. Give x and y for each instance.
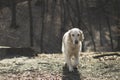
(109, 28)
(99, 4)
(90, 27)
(117, 10)
(13, 22)
(62, 29)
(31, 23)
(42, 23)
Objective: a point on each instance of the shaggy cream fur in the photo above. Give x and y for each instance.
(71, 46)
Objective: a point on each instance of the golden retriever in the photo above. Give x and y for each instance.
(71, 47)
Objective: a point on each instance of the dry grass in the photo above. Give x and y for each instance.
(51, 66)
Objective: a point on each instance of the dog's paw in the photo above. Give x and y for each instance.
(75, 67)
(71, 69)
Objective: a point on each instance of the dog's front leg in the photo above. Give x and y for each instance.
(76, 60)
(69, 63)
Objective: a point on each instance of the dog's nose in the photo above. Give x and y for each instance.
(76, 41)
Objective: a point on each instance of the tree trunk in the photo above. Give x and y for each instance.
(31, 23)
(13, 22)
(117, 9)
(42, 23)
(109, 28)
(90, 32)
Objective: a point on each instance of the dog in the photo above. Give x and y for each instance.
(71, 47)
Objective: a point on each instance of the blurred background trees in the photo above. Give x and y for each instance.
(40, 24)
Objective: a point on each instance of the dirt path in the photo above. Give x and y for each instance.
(93, 66)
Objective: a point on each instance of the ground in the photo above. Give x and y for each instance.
(93, 66)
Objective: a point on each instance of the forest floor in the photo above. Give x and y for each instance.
(93, 66)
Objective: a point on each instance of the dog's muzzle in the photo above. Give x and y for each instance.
(76, 41)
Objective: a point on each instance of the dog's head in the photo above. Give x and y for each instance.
(76, 35)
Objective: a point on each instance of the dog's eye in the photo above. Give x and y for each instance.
(78, 34)
(73, 35)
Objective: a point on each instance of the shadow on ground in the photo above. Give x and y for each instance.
(16, 52)
(70, 75)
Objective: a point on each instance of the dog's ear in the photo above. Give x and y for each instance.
(69, 34)
(81, 35)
